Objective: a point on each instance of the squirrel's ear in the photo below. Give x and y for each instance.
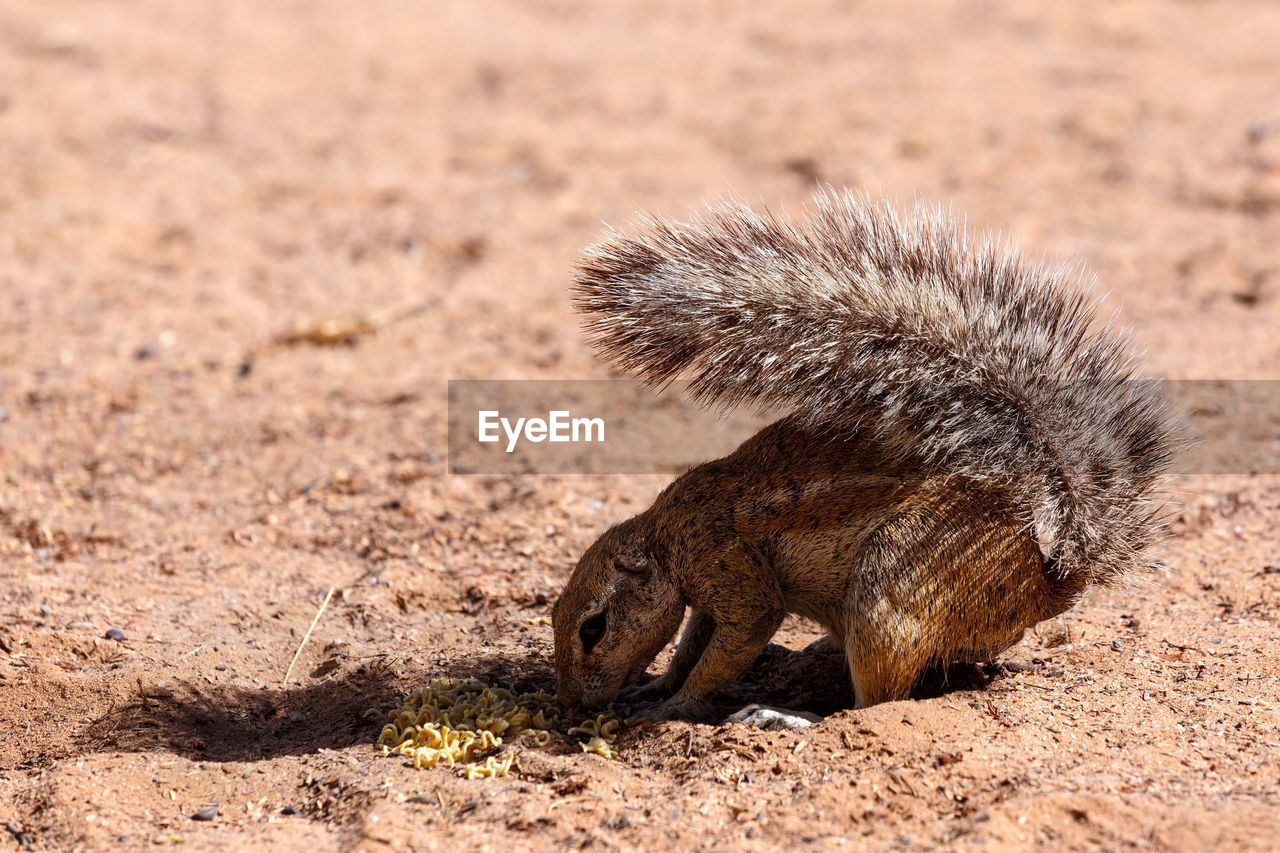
(632, 560)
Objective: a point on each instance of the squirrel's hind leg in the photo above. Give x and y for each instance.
(891, 624)
(881, 674)
(952, 575)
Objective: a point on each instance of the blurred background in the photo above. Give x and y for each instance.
(215, 168)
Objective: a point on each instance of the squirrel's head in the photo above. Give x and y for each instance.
(618, 610)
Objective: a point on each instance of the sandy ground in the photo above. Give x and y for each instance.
(183, 182)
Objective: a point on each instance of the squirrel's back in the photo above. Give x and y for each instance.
(954, 351)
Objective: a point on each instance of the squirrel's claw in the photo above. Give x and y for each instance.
(650, 691)
(691, 710)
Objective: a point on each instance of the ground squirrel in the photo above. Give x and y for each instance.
(966, 452)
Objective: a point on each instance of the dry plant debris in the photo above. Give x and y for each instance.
(332, 331)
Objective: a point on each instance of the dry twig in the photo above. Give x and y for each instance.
(307, 635)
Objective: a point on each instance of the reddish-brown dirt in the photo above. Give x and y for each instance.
(183, 182)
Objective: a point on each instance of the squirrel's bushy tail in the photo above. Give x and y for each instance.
(955, 351)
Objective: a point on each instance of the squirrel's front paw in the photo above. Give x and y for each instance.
(650, 691)
(675, 708)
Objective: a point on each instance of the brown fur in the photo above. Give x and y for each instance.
(965, 454)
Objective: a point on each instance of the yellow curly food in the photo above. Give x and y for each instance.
(454, 721)
(599, 746)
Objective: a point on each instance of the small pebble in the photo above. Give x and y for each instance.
(208, 813)
(289, 810)
(46, 610)
(145, 352)
(1259, 131)
(4, 413)
(82, 626)
(1116, 645)
(114, 634)
(1018, 666)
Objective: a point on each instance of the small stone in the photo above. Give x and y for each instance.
(82, 626)
(1259, 130)
(46, 610)
(114, 634)
(1116, 645)
(144, 352)
(4, 413)
(207, 813)
(289, 810)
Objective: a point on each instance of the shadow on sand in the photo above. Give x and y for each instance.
(239, 723)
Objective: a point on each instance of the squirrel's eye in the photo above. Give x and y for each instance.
(591, 631)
